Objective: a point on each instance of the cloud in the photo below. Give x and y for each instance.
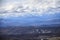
(24, 7)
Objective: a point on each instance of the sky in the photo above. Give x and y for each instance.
(29, 11)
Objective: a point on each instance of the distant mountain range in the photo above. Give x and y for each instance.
(31, 20)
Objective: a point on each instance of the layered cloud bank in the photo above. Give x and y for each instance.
(24, 7)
